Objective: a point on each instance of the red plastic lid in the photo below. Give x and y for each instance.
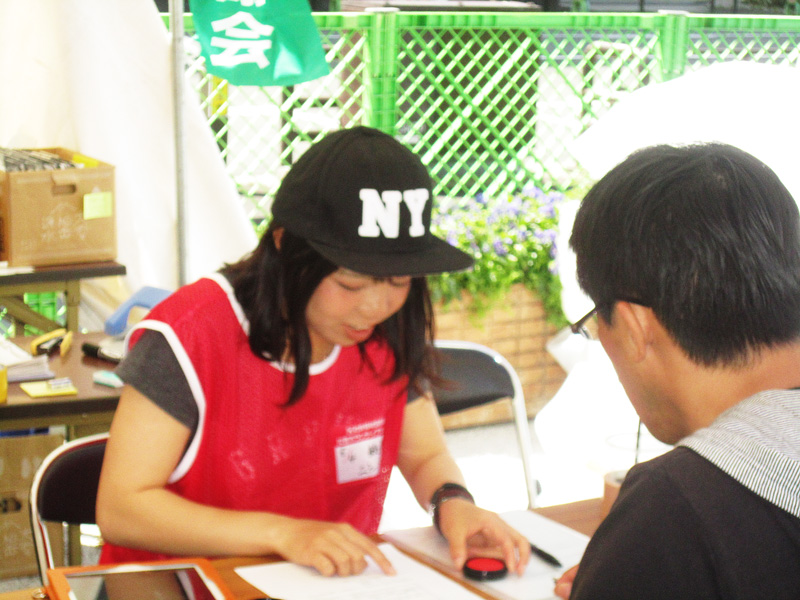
(485, 569)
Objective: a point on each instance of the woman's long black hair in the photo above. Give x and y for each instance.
(274, 287)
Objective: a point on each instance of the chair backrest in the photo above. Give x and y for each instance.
(479, 375)
(64, 489)
(146, 297)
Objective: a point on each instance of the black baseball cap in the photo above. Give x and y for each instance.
(363, 201)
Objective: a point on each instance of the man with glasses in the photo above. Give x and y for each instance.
(692, 257)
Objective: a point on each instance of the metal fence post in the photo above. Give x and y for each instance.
(382, 69)
(674, 43)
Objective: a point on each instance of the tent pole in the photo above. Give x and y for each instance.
(178, 78)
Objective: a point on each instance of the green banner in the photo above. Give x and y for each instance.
(259, 42)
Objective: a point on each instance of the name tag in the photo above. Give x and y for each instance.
(358, 453)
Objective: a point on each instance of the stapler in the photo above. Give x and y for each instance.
(48, 343)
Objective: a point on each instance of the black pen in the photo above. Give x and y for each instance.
(96, 351)
(545, 556)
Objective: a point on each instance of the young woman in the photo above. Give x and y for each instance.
(266, 405)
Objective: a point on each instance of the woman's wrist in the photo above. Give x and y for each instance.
(446, 492)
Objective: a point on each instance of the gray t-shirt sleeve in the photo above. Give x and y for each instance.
(414, 395)
(152, 368)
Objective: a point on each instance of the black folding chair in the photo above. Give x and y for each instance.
(480, 375)
(64, 490)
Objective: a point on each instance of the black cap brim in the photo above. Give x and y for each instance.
(437, 257)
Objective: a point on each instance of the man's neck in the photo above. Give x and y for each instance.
(707, 392)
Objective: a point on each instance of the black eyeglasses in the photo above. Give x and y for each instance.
(579, 326)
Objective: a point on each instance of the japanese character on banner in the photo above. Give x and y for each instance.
(259, 42)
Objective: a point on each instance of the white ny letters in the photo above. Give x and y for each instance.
(381, 212)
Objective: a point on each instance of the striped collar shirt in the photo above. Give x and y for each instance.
(757, 442)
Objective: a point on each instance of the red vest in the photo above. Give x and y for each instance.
(328, 457)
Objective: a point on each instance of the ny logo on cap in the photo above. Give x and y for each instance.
(380, 212)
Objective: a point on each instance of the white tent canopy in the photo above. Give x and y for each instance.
(96, 76)
(750, 105)
(747, 104)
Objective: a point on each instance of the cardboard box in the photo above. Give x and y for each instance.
(60, 216)
(20, 456)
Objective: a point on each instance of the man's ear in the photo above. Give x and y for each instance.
(277, 236)
(635, 328)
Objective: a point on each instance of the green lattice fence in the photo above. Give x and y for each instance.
(491, 101)
(505, 97)
(764, 40)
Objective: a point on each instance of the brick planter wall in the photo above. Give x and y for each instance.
(519, 331)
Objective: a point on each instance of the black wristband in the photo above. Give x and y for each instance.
(446, 492)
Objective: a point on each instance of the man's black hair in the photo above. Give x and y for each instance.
(707, 236)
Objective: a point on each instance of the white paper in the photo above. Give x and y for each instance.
(21, 365)
(414, 581)
(11, 354)
(6, 270)
(566, 544)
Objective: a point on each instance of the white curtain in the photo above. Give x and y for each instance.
(95, 76)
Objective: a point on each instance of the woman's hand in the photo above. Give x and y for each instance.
(331, 548)
(426, 464)
(473, 531)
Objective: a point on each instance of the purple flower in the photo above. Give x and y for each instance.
(500, 248)
(548, 210)
(517, 205)
(531, 190)
(547, 236)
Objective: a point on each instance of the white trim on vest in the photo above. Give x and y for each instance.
(314, 369)
(188, 458)
(226, 286)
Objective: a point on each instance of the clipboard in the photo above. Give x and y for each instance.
(174, 579)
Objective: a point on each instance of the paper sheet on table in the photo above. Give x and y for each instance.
(414, 581)
(566, 544)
